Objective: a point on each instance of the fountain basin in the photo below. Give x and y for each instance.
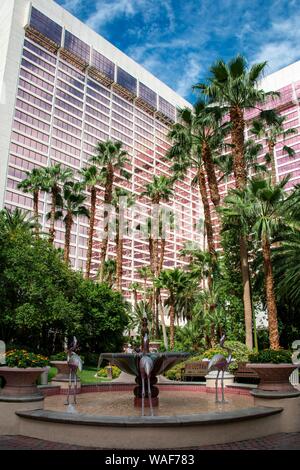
(130, 363)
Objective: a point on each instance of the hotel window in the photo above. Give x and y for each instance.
(99, 88)
(38, 61)
(68, 107)
(37, 70)
(166, 108)
(66, 68)
(96, 113)
(44, 25)
(40, 52)
(126, 80)
(38, 81)
(76, 46)
(104, 65)
(148, 95)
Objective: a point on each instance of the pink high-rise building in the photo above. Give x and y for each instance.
(64, 88)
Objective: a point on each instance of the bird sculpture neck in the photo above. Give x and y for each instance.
(145, 336)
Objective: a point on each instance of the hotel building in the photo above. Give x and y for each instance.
(63, 89)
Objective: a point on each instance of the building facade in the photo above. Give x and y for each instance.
(63, 89)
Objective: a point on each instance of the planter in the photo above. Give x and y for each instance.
(274, 377)
(20, 383)
(63, 371)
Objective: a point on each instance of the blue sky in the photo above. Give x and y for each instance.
(177, 40)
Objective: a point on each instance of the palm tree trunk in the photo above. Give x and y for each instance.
(237, 138)
(163, 325)
(107, 201)
(68, 225)
(162, 254)
(270, 295)
(36, 213)
(172, 322)
(91, 232)
(207, 216)
(52, 214)
(246, 291)
(240, 174)
(271, 147)
(211, 175)
(119, 263)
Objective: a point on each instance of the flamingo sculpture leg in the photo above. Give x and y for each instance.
(143, 395)
(220, 363)
(149, 396)
(216, 386)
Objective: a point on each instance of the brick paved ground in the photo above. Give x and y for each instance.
(282, 441)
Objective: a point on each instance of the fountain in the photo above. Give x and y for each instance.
(132, 363)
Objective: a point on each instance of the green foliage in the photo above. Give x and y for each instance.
(103, 372)
(42, 300)
(22, 358)
(271, 356)
(240, 353)
(104, 317)
(61, 356)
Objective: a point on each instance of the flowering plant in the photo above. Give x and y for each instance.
(22, 358)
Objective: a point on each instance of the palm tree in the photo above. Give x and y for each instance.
(14, 222)
(271, 126)
(55, 176)
(208, 134)
(91, 178)
(176, 282)
(135, 287)
(109, 276)
(71, 205)
(110, 159)
(262, 207)
(145, 273)
(160, 189)
(33, 184)
(121, 200)
(286, 266)
(190, 141)
(234, 87)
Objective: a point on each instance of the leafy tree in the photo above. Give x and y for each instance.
(233, 86)
(34, 183)
(55, 176)
(104, 317)
(176, 282)
(110, 159)
(71, 205)
(91, 178)
(271, 126)
(121, 200)
(190, 141)
(261, 208)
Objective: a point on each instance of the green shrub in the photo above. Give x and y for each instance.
(62, 356)
(22, 358)
(103, 372)
(240, 353)
(271, 356)
(90, 359)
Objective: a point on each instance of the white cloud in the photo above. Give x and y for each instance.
(106, 11)
(189, 76)
(71, 5)
(281, 43)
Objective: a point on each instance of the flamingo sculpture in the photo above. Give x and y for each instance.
(74, 363)
(220, 363)
(146, 366)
